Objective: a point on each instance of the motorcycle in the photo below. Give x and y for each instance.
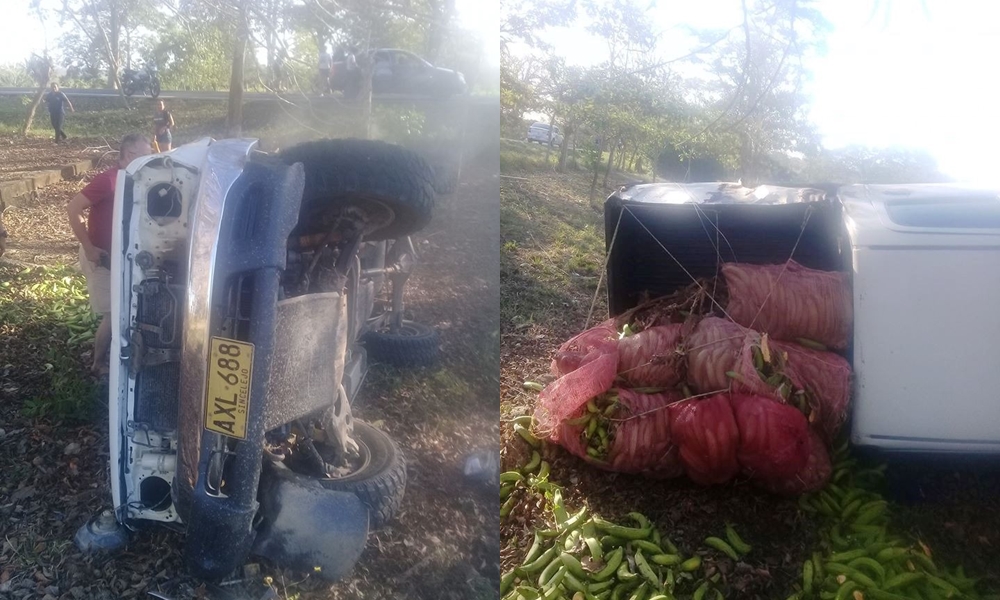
(243, 319)
(140, 81)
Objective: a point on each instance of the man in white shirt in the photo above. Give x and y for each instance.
(325, 64)
(351, 61)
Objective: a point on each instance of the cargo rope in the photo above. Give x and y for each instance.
(607, 258)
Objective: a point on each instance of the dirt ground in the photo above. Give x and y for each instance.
(38, 230)
(19, 154)
(551, 259)
(444, 544)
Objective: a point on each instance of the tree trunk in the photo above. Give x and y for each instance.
(611, 157)
(367, 69)
(564, 150)
(548, 143)
(114, 45)
(34, 106)
(597, 169)
(111, 51)
(270, 36)
(41, 72)
(234, 117)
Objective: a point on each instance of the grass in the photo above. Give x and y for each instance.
(105, 117)
(277, 123)
(524, 156)
(552, 250)
(518, 155)
(45, 325)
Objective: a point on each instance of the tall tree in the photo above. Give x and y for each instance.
(760, 103)
(101, 23)
(40, 68)
(524, 21)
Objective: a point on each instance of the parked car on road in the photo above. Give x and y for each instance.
(539, 132)
(399, 72)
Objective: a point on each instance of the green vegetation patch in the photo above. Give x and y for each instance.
(46, 325)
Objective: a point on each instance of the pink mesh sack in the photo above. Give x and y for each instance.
(705, 432)
(797, 302)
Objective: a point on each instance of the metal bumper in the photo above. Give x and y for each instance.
(243, 216)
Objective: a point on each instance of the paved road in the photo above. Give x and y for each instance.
(199, 95)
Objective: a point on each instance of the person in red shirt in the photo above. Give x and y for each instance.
(93, 231)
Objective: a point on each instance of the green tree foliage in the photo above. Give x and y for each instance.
(192, 41)
(194, 56)
(15, 75)
(759, 104)
(521, 21)
(100, 32)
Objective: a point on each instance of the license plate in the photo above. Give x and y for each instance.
(229, 369)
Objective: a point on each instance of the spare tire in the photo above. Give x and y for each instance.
(393, 185)
(414, 345)
(381, 479)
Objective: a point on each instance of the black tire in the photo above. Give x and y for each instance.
(366, 174)
(381, 482)
(128, 89)
(154, 88)
(415, 345)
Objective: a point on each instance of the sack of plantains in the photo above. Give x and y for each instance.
(791, 302)
(679, 385)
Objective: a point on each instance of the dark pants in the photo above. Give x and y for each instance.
(57, 124)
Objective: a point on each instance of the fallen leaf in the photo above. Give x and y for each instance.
(22, 493)
(592, 565)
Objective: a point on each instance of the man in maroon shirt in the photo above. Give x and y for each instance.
(94, 233)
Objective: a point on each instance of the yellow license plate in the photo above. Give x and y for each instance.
(230, 367)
